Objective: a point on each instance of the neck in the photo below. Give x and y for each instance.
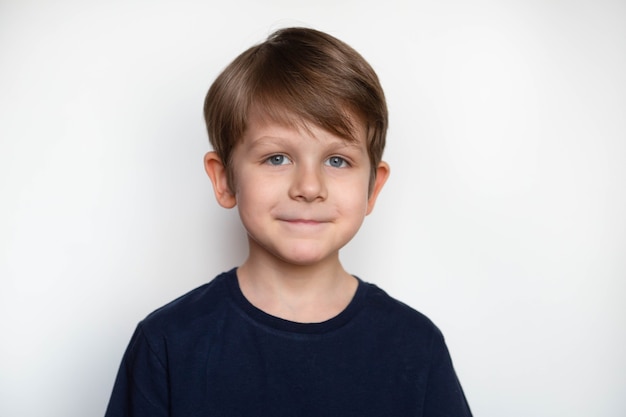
(301, 293)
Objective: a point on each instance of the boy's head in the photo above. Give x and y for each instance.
(298, 76)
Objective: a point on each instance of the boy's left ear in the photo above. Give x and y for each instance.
(382, 173)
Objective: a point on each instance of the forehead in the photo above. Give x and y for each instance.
(284, 123)
(262, 134)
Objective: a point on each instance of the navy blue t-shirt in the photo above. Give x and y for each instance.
(212, 353)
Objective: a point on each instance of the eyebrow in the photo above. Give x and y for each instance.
(268, 140)
(264, 141)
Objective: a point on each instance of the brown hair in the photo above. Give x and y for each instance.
(297, 75)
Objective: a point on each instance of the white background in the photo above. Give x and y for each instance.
(504, 218)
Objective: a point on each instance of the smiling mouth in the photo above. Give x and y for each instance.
(304, 222)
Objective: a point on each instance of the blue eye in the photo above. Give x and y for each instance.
(277, 160)
(336, 162)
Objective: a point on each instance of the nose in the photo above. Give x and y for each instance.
(308, 183)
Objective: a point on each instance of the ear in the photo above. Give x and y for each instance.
(216, 170)
(382, 173)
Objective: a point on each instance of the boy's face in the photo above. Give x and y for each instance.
(302, 193)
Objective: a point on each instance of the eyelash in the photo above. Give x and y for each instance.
(272, 159)
(344, 163)
(283, 158)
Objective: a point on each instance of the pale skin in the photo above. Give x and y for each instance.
(302, 194)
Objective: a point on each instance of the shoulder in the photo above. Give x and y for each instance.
(191, 309)
(384, 310)
(382, 303)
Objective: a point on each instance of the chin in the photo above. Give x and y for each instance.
(303, 260)
(304, 257)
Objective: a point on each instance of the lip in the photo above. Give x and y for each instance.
(303, 221)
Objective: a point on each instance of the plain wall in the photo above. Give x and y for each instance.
(503, 220)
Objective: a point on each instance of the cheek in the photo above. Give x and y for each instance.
(253, 193)
(353, 198)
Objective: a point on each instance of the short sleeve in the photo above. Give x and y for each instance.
(141, 387)
(444, 395)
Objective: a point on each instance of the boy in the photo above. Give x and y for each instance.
(298, 127)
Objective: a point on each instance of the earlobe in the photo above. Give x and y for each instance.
(216, 170)
(382, 173)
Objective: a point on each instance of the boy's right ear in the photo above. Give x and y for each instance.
(216, 170)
